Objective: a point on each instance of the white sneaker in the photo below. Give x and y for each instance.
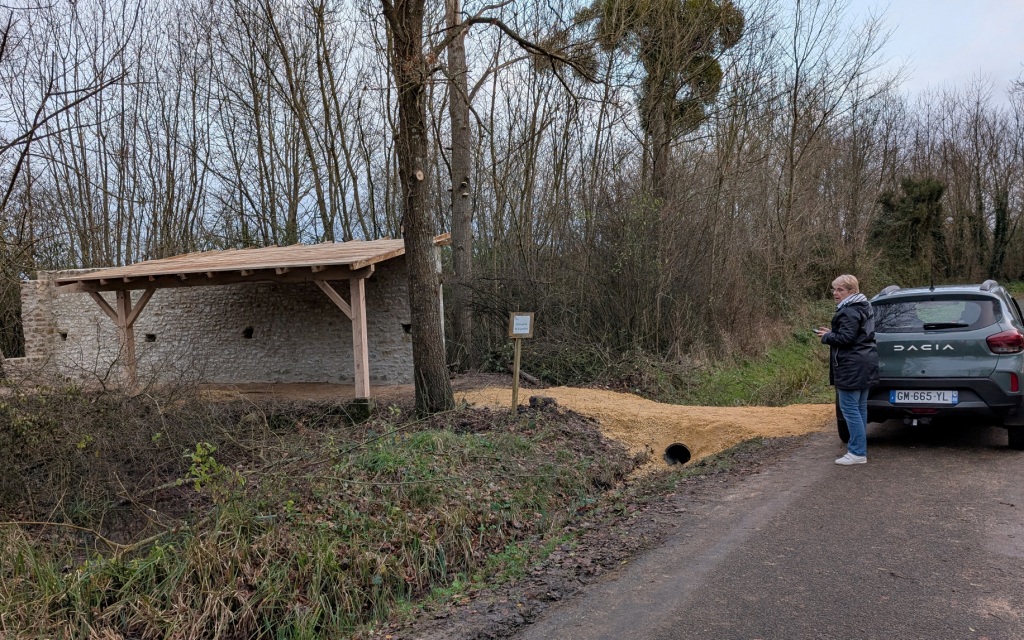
(849, 458)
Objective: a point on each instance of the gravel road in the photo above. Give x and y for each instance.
(925, 541)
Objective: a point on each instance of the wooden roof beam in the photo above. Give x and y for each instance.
(294, 275)
(365, 272)
(104, 306)
(140, 305)
(335, 297)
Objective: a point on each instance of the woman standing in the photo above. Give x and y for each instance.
(853, 362)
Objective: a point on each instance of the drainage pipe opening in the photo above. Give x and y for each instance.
(677, 453)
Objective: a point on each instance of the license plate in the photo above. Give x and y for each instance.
(923, 397)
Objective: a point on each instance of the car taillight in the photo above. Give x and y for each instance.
(1006, 342)
(1014, 382)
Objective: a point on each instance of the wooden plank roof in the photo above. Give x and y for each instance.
(240, 265)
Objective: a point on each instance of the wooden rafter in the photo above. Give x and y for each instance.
(174, 281)
(294, 263)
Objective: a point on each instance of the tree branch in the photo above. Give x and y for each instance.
(527, 45)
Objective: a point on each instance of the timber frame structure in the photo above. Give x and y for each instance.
(320, 264)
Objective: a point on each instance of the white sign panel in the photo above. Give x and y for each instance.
(520, 325)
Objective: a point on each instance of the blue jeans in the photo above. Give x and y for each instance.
(854, 405)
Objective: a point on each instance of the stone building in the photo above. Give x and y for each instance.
(333, 312)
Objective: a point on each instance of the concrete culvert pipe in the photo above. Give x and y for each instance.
(677, 453)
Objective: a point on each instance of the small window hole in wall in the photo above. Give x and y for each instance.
(63, 336)
(407, 327)
(150, 337)
(247, 333)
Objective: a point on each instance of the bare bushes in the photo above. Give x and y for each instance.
(99, 458)
(12, 342)
(165, 516)
(68, 454)
(642, 282)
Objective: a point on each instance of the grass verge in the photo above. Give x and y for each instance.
(792, 372)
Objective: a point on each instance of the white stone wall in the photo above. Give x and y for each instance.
(259, 332)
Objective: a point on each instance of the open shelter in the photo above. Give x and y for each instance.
(340, 270)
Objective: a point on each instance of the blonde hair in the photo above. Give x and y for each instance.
(847, 282)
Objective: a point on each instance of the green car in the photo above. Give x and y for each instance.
(949, 353)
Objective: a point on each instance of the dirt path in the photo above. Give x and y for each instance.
(640, 424)
(643, 424)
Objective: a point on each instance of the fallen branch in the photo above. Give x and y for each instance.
(528, 378)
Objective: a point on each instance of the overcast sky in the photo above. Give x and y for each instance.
(949, 42)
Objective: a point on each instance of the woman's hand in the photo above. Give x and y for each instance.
(821, 331)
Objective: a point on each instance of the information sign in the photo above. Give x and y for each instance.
(520, 324)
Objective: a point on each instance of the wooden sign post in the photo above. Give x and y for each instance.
(520, 325)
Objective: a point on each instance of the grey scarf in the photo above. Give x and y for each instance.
(857, 297)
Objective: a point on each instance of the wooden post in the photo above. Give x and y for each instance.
(126, 328)
(356, 312)
(520, 325)
(515, 374)
(360, 353)
(124, 317)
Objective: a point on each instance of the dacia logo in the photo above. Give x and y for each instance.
(923, 347)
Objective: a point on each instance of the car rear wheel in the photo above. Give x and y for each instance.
(844, 431)
(1015, 437)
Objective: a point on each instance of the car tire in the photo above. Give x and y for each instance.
(1015, 437)
(844, 431)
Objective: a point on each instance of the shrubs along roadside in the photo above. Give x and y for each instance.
(170, 517)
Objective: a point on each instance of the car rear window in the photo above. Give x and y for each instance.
(949, 314)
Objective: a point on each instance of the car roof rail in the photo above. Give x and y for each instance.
(886, 291)
(988, 284)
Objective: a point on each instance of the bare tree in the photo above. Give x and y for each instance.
(677, 43)
(828, 71)
(461, 293)
(412, 67)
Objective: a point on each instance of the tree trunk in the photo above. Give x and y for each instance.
(461, 292)
(433, 388)
(659, 103)
(1001, 233)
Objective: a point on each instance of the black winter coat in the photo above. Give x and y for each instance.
(853, 362)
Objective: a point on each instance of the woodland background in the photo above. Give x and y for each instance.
(139, 129)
